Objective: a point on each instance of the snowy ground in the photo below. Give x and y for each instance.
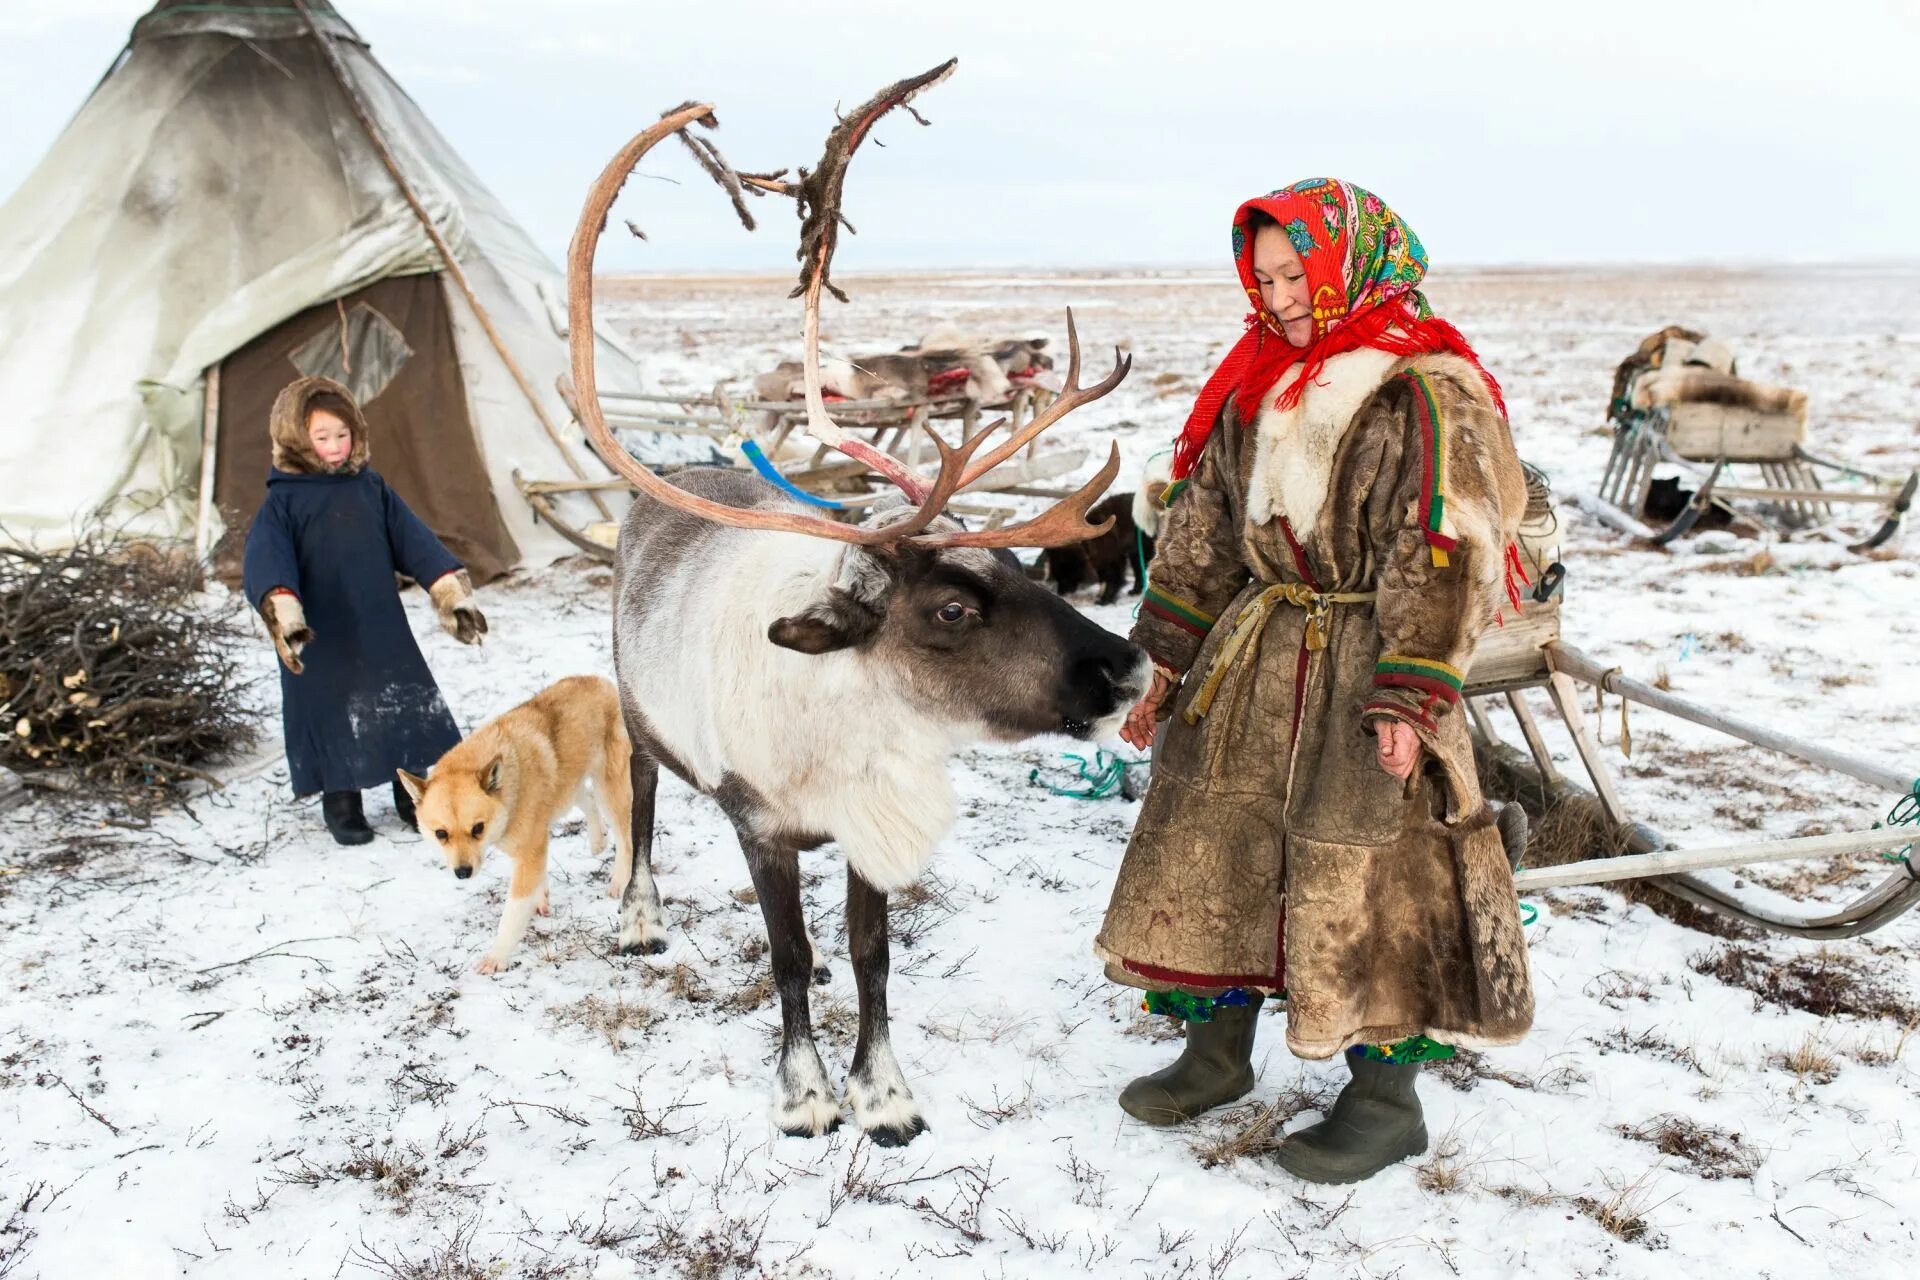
(229, 1048)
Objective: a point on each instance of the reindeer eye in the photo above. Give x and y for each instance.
(440, 835)
(478, 827)
(952, 611)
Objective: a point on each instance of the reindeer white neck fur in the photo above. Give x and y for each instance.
(875, 781)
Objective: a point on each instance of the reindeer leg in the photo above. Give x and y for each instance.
(882, 1103)
(641, 929)
(803, 1105)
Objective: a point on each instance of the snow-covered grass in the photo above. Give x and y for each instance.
(231, 1048)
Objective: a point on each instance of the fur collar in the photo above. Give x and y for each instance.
(1294, 453)
(287, 428)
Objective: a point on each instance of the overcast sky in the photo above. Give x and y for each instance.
(1099, 133)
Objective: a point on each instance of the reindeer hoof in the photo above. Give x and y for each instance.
(897, 1135)
(643, 947)
(822, 976)
(810, 1117)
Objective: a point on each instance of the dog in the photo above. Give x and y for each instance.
(1106, 559)
(566, 747)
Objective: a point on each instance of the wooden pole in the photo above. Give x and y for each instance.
(1574, 663)
(209, 453)
(372, 131)
(1674, 861)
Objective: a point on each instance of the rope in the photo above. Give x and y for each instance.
(771, 474)
(1905, 813)
(1104, 777)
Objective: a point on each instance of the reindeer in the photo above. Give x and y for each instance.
(811, 676)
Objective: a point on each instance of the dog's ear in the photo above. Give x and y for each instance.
(416, 787)
(490, 776)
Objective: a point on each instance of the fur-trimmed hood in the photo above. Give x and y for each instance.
(287, 428)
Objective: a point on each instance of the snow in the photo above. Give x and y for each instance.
(230, 1048)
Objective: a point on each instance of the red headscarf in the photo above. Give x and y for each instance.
(1364, 266)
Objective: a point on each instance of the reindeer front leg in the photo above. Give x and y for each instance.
(642, 931)
(882, 1103)
(803, 1105)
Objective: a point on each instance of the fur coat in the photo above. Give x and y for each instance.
(1273, 851)
(366, 703)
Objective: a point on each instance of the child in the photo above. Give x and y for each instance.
(357, 700)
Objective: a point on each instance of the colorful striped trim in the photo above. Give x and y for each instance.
(1171, 492)
(1398, 671)
(1400, 711)
(1406, 1052)
(1171, 608)
(1433, 467)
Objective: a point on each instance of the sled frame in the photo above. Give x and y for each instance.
(1563, 673)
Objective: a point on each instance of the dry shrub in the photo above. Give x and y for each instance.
(607, 1019)
(1252, 1130)
(1824, 982)
(114, 671)
(1810, 1060)
(1713, 1153)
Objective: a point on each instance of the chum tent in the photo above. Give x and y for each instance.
(222, 215)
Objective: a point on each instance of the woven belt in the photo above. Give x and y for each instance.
(1254, 617)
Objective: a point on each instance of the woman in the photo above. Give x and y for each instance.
(1338, 535)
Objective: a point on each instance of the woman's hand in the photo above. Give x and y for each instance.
(1137, 732)
(1399, 747)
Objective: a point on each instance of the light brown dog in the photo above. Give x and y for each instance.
(566, 747)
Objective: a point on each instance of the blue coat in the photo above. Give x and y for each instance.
(366, 703)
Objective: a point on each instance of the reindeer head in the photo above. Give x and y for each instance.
(971, 640)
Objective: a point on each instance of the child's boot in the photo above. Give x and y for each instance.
(345, 820)
(403, 805)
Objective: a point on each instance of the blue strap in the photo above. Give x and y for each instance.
(772, 476)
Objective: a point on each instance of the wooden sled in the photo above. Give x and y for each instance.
(1705, 439)
(1528, 654)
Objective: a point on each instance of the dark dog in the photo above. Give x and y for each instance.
(1666, 500)
(1105, 559)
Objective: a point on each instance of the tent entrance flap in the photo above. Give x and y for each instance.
(397, 343)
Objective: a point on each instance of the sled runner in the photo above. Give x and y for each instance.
(1678, 403)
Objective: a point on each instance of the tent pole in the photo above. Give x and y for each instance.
(365, 117)
(209, 447)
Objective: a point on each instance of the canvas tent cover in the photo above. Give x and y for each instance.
(216, 184)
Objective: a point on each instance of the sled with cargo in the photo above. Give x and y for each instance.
(1679, 405)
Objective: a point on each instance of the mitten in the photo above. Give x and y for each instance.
(287, 625)
(460, 617)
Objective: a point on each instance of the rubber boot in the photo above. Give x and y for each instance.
(341, 809)
(403, 805)
(1214, 1068)
(1375, 1122)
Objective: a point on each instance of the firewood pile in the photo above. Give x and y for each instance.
(117, 680)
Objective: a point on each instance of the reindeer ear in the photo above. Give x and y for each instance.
(490, 776)
(838, 622)
(416, 787)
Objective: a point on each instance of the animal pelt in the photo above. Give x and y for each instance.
(1106, 559)
(1148, 511)
(1648, 355)
(1693, 384)
(1293, 462)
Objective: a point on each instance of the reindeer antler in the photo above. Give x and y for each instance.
(580, 341)
(819, 193)
(819, 196)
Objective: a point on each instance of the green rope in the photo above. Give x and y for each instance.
(1905, 813)
(1105, 776)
